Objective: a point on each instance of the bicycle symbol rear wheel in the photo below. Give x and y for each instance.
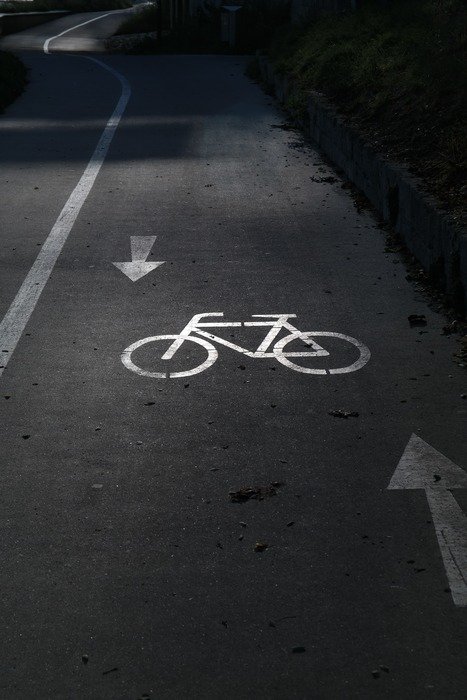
(281, 356)
(126, 357)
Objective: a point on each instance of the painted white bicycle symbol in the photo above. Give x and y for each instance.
(276, 322)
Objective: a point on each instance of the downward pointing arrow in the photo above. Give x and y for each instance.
(140, 249)
(423, 467)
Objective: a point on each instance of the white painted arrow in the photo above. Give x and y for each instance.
(138, 267)
(423, 467)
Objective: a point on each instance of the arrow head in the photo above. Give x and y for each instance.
(136, 270)
(423, 467)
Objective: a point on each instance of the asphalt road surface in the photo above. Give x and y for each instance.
(128, 570)
(80, 32)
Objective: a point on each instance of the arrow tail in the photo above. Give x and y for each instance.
(141, 247)
(451, 530)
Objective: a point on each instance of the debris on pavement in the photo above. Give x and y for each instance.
(417, 320)
(344, 414)
(451, 327)
(329, 178)
(258, 493)
(274, 623)
(260, 546)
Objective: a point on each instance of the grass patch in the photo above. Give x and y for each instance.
(71, 5)
(399, 73)
(12, 78)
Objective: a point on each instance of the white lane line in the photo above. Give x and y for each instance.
(94, 19)
(19, 313)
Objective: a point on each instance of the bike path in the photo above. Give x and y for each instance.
(126, 568)
(83, 31)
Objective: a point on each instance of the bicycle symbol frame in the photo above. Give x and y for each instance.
(276, 323)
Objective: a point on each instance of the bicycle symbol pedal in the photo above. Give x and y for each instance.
(194, 332)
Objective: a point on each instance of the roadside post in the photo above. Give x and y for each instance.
(229, 24)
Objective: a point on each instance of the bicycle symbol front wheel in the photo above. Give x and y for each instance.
(127, 360)
(283, 357)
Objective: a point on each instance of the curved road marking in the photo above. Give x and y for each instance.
(19, 313)
(94, 19)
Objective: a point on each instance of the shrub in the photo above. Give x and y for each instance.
(12, 78)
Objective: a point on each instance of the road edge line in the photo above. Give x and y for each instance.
(24, 303)
(70, 29)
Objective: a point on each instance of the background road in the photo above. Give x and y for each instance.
(92, 28)
(126, 570)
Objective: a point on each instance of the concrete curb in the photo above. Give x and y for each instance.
(427, 231)
(11, 22)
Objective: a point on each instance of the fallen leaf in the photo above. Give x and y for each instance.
(258, 493)
(417, 320)
(260, 546)
(450, 328)
(344, 414)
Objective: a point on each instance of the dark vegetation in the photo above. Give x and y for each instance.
(259, 21)
(12, 78)
(399, 73)
(143, 20)
(71, 5)
(396, 71)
